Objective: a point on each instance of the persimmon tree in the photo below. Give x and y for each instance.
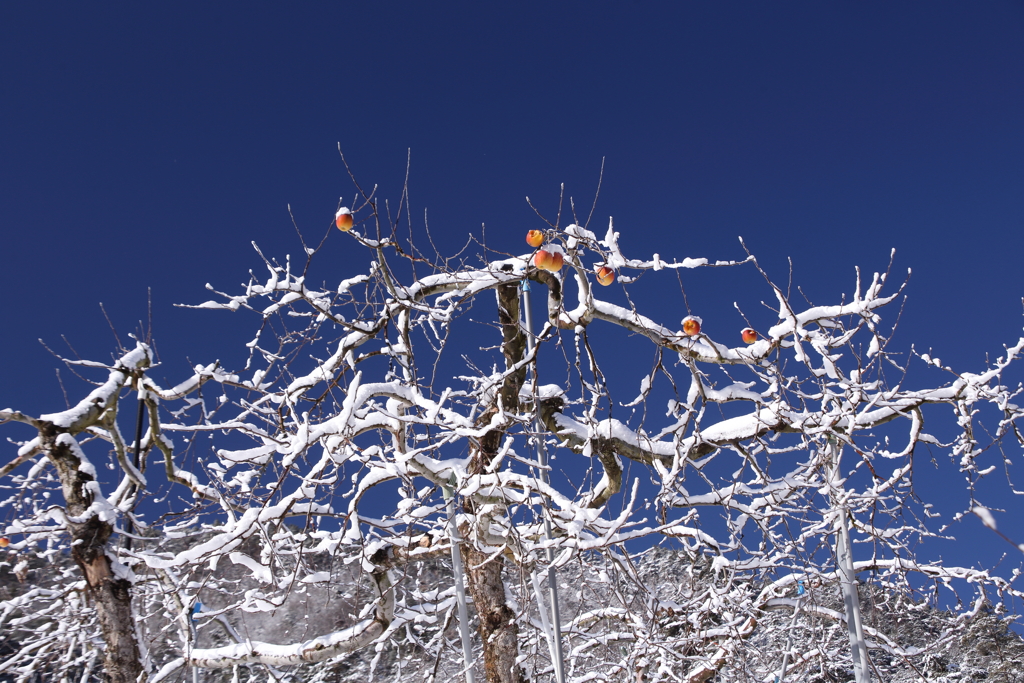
(386, 418)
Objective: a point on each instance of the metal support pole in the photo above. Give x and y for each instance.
(542, 457)
(194, 631)
(848, 581)
(789, 637)
(460, 586)
(136, 460)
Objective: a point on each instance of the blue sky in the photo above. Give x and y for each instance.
(145, 146)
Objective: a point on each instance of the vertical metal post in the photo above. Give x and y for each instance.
(848, 579)
(194, 630)
(136, 460)
(542, 457)
(460, 586)
(789, 638)
(457, 568)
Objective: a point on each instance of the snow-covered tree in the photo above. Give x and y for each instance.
(389, 422)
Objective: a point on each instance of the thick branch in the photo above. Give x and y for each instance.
(316, 650)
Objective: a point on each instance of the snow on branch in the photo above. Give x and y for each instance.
(385, 421)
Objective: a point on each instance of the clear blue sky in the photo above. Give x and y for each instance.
(146, 144)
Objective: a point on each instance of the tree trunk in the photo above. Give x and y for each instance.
(110, 595)
(498, 628)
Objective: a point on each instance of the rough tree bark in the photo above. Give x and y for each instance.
(89, 518)
(111, 595)
(89, 531)
(498, 629)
